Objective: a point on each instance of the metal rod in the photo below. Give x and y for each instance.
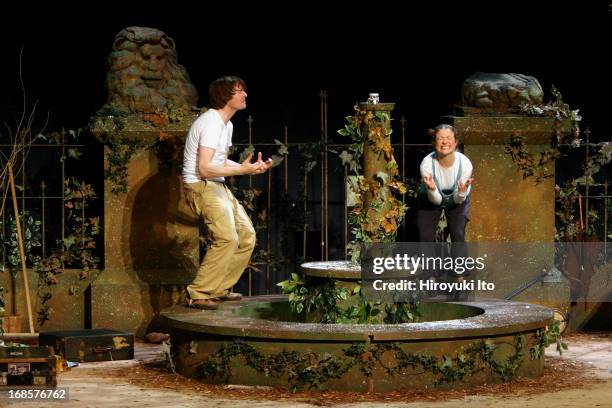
(23, 188)
(40, 197)
(526, 285)
(305, 227)
(286, 161)
(250, 121)
(587, 133)
(54, 146)
(43, 187)
(326, 189)
(268, 236)
(83, 221)
(322, 139)
(345, 214)
(286, 184)
(330, 144)
(63, 190)
(606, 221)
(403, 122)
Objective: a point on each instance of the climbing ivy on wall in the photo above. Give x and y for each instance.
(309, 370)
(540, 167)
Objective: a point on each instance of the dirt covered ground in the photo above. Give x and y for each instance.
(581, 378)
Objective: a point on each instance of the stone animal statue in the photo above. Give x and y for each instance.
(500, 92)
(144, 75)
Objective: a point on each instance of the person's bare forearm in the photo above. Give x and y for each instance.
(231, 163)
(212, 171)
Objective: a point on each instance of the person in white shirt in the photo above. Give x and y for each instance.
(205, 166)
(447, 179)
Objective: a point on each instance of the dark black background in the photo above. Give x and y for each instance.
(415, 57)
(414, 54)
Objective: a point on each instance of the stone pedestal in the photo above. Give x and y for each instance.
(151, 240)
(504, 207)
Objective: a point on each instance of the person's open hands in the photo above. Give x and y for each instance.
(463, 186)
(429, 182)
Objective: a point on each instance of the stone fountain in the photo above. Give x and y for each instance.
(260, 341)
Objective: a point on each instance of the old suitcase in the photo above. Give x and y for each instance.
(90, 345)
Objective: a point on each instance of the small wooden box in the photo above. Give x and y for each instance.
(28, 366)
(90, 344)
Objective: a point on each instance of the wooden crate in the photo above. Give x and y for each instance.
(28, 366)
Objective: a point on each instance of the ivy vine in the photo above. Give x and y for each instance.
(370, 127)
(110, 121)
(545, 337)
(542, 167)
(309, 370)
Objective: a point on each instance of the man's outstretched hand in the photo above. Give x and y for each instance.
(258, 167)
(263, 165)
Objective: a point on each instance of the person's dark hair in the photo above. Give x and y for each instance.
(434, 132)
(221, 90)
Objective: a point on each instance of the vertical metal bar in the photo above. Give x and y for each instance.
(587, 133)
(286, 161)
(63, 186)
(345, 214)
(286, 186)
(606, 221)
(63, 133)
(268, 235)
(82, 221)
(326, 189)
(403, 122)
(250, 121)
(43, 187)
(322, 139)
(23, 189)
(305, 227)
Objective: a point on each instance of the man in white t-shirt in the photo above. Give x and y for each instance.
(205, 166)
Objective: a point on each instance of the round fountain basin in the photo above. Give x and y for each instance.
(341, 270)
(266, 324)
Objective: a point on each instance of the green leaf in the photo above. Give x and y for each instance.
(448, 362)
(74, 153)
(249, 150)
(69, 241)
(346, 157)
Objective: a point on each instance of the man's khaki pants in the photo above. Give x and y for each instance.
(231, 234)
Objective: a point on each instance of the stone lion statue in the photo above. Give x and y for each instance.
(500, 92)
(143, 73)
